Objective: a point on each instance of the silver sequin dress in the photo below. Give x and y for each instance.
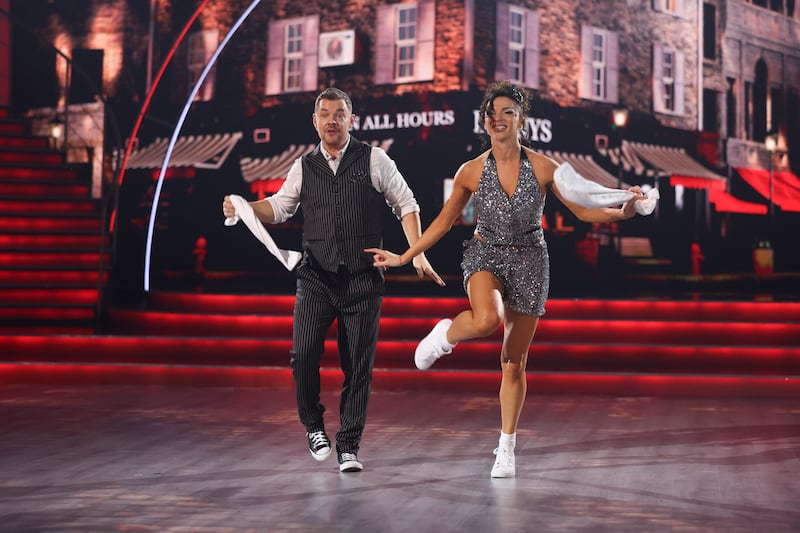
(512, 245)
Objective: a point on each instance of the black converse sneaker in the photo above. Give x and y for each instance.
(319, 445)
(348, 462)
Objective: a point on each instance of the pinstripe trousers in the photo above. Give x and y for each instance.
(354, 300)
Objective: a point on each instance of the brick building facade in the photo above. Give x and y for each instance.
(704, 79)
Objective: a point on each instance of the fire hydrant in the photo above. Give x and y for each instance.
(199, 253)
(697, 258)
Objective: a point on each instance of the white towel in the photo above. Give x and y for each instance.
(245, 213)
(586, 193)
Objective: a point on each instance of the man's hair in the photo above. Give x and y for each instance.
(332, 93)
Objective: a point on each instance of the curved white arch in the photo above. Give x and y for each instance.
(176, 133)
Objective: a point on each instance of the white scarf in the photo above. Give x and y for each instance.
(575, 188)
(245, 213)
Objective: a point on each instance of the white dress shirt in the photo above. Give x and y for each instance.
(385, 177)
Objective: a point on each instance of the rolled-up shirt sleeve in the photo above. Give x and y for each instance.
(286, 201)
(387, 180)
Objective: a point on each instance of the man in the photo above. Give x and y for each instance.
(342, 185)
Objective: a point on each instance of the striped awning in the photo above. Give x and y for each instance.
(785, 186)
(200, 151)
(724, 202)
(275, 167)
(679, 166)
(587, 167)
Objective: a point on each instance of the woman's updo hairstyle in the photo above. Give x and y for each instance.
(504, 88)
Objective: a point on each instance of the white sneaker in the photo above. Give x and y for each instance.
(504, 463)
(432, 347)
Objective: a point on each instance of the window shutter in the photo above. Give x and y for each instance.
(426, 39)
(310, 53)
(658, 87)
(501, 56)
(384, 45)
(680, 83)
(612, 67)
(274, 82)
(531, 49)
(210, 43)
(585, 89)
(680, 9)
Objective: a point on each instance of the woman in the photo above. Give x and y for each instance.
(506, 264)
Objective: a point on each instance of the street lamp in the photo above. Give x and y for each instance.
(620, 118)
(771, 144)
(56, 131)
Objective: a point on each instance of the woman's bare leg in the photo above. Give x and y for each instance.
(486, 309)
(518, 334)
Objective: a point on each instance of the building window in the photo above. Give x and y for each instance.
(201, 46)
(730, 109)
(710, 110)
(517, 45)
(292, 55)
(785, 7)
(673, 7)
(777, 113)
(748, 110)
(599, 63)
(709, 31)
(668, 80)
(759, 102)
(404, 43)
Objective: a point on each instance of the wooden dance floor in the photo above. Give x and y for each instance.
(213, 459)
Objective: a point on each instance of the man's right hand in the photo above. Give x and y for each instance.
(227, 207)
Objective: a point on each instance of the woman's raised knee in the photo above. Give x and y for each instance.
(486, 324)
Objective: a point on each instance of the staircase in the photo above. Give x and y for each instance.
(50, 232)
(623, 347)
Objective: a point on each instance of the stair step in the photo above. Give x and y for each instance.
(10, 296)
(61, 189)
(20, 157)
(38, 328)
(472, 382)
(47, 206)
(23, 142)
(552, 330)
(86, 277)
(50, 241)
(546, 358)
(251, 304)
(14, 127)
(34, 173)
(65, 258)
(83, 312)
(68, 222)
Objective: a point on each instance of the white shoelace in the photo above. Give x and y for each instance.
(504, 460)
(318, 439)
(349, 457)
